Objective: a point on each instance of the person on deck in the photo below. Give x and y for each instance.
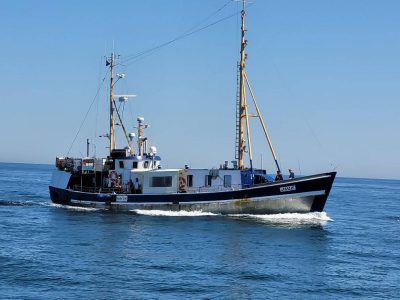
(130, 187)
(291, 174)
(118, 182)
(137, 186)
(278, 176)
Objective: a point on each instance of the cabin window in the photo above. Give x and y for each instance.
(208, 180)
(189, 180)
(161, 181)
(134, 165)
(227, 180)
(146, 164)
(121, 164)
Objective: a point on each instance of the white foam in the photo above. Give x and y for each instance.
(291, 218)
(76, 208)
(169, 213)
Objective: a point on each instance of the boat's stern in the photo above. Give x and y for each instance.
(58, 186)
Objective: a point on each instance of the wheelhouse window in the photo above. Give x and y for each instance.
(208, 180)
(189, 180)
(227, 180)
(134, 165)
(161, 181)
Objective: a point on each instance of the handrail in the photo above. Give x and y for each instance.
(214, 188)
(105, 190)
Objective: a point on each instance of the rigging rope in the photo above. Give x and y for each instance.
(135, 57)
(101, 62)
(90, 107)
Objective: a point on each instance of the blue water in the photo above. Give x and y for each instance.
(52, 252)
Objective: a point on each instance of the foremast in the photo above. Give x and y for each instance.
(243, 107)
(110, 61)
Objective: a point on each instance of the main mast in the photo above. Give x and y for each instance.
(242, 105)
(243, 108)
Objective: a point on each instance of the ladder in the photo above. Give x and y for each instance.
(237, 114)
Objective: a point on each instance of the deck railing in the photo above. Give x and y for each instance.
(125, 190)
(214, 188)
(105, 190)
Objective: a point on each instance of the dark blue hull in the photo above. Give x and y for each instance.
(306, 194)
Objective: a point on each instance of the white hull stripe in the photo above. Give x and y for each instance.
(297, 195)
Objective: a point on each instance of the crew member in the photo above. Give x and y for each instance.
(137, 186)
(130, 188)
(278, 176)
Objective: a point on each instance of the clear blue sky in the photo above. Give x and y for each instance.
(326, 75)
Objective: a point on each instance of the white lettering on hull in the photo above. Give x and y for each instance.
(288, 188)
(121, 198)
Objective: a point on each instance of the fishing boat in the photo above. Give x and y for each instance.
(132, 178)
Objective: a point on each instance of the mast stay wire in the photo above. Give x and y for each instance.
(135, 57)
(141, 55)
(292, 99)
(87, 113)
(97, 112)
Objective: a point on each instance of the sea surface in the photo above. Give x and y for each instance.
(350, 251)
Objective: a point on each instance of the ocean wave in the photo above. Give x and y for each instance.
(17, 203)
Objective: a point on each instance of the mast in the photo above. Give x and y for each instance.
(110, 62)
(242, 105)
(113, 106)
(243, 108)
